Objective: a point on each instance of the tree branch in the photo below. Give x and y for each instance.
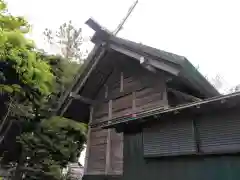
(6, 115)
(5, 132)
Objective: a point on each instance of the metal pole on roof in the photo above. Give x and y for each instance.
(125, 18)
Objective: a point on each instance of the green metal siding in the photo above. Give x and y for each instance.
(169, 138)
(219, 133)
(176, 168)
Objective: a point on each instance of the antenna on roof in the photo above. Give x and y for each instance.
(125, 18)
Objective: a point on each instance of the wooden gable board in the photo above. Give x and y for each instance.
(157, 58)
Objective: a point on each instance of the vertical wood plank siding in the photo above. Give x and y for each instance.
(88, 141)
(109, 136)
(105, 153)
(148, 95)
(129, 88)
(97, 152)
(116, 161)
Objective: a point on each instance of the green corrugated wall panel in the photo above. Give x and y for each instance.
(181, 168)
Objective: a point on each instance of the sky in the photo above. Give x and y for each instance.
(206, 32)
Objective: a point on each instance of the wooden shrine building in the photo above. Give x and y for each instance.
(152, 115)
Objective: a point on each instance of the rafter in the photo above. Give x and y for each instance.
(83, 99)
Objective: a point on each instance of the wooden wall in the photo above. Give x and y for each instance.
(105, 152)
(130, 88)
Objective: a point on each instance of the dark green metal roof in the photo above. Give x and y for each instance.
(188, 74)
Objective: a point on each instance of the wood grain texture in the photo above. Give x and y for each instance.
(108, 152)
(88, 140)
(105, 152)
(150, 92)
(97, 152)
(116, 163)
(130, 88)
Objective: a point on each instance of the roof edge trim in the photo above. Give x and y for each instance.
(157, 111)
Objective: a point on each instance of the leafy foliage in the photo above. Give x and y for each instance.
(64, 70)
(36, 144)
(21, 71)
(57, 142)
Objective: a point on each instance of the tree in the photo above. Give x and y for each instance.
(57, 142)
(64, 71)
(33, 142)
(56, 130)
(23, 76)
(219, 83)
(67, 39)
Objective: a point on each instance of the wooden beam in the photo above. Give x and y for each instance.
(108, 153)
(150, 68)
(88, 140)
(164, 90)
(83, 99)
(110, 109)
(95, 55)
(125, 51)
(121, 82)
(147, 61)
(101, 33)
(106, 91)
(108, 148)
(170, 68)
(159, 111)
(94, 25)
(134, 102)
(185, 95)
(96, 58)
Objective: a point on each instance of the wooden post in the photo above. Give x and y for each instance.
(88, 141)
(106, 91)
(121, 82)
(134, 102)
(108, 149)
(164, 90)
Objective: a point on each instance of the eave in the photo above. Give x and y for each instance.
(153, 59)
(171, 63)
(215, 103)
(79, 81)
